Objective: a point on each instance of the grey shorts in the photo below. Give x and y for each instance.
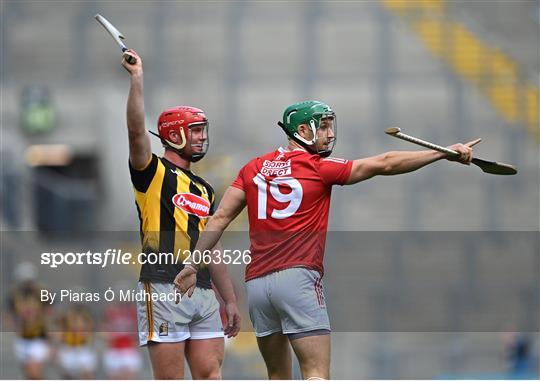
(288, 301)
(166, 322)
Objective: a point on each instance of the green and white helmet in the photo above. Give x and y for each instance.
(310, 113)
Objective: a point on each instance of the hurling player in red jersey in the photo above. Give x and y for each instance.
(122, 359)
(287, 193)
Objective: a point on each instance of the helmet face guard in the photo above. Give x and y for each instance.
(320, 119)
(325, 141)
(191, 125)
(198, 130)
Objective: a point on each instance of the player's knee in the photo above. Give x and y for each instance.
(214, 375)
(312, 369)
(209, 370)
(210, 373)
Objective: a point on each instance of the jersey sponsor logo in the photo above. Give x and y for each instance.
(276, 168)
(192, 204)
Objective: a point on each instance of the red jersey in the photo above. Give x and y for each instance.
(288, 200)
(121, 325)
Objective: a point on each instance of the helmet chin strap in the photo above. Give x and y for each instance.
(325, 153)
(195, 157)
(178, 146)
(313, 131)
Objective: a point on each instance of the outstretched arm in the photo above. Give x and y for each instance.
(233, 202)
(140, 151)
(398, 162)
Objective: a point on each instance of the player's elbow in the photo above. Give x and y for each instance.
(385, 165)
(382, 164)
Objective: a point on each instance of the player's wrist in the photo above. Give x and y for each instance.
(193, 267)
(439, 155)
(136, 76)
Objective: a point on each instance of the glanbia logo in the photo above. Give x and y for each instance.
(192, 204)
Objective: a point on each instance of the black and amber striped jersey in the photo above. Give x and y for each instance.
(76, 326)
(29, 311)
(173, 205)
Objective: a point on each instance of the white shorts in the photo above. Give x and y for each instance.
(118, 360)
(289, 301)
(76, 360)
(193, 318)
(27, 350)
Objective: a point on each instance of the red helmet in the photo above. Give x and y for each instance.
(181, 119)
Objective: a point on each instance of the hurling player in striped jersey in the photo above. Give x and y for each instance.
(287, 193)
(173, 205)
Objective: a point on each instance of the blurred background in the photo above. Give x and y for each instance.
(446, 71)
